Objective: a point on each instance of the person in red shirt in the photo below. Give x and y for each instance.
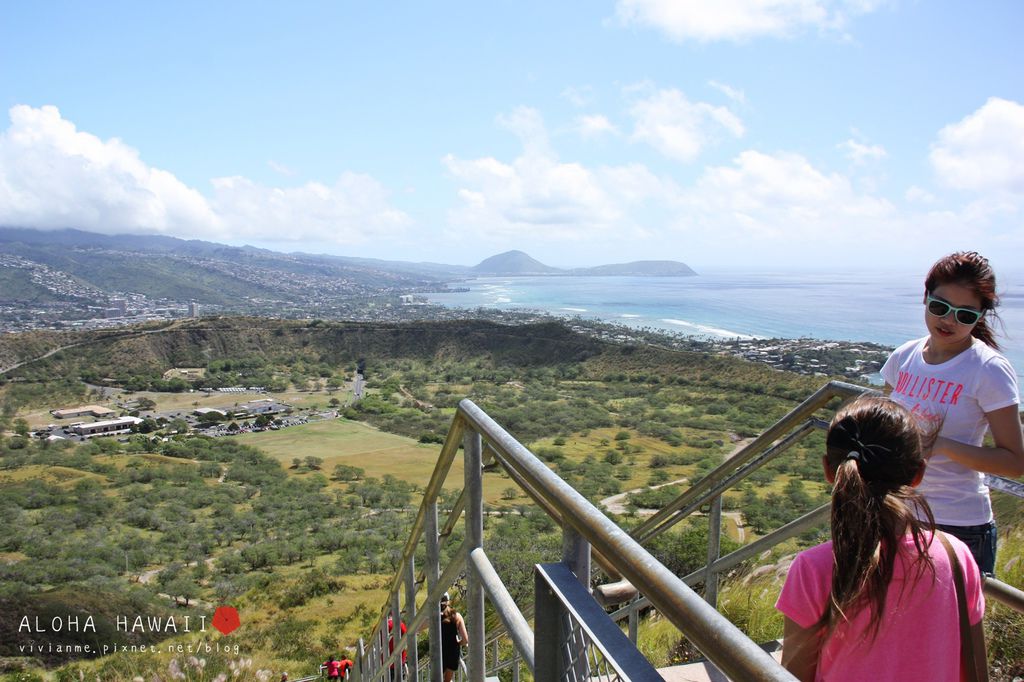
(333, 668)
(345, 665)
(391, 644)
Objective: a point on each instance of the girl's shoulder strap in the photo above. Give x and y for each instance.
(967, 661)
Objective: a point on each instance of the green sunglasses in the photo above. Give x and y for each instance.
(965, 316)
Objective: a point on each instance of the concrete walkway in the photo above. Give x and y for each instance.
(706, 671)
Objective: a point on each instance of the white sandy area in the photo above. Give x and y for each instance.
(715, 331)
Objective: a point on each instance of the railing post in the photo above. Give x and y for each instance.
(410, 614)
(634, 620)
(360, 661)
(714, 550)
(380, 646)
(472, 460)
(576, 554)
(547, 635)
(433, 571)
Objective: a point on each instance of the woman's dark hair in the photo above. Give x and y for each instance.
(447, 613)
(875, 449)
(969, 269)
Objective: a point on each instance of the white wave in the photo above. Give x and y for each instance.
(705, 329)
(629, 315)
(576, 310)
(503, 299)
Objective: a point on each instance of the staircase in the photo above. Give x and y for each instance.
(573, 637)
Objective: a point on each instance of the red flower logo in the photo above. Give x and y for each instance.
(225, 619)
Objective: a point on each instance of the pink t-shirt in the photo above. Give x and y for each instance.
(919, 637)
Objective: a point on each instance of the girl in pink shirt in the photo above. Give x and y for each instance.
(878, 601)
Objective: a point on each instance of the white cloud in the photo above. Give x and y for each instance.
(594, 125)
(861, 153)
(918, 195)
(984, 152)
(527, 124)
(578, 96)
(353, 210)
(280, 168)
(54, 176)
(533, 196)
(781, 200)
(537, 196)
(738, 20)
(678, 128)
(732, 93)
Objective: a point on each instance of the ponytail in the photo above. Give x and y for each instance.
(869, 520)
(874, 448)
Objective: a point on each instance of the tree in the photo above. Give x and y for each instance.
(182, 587)
(21, 427)
(613, 457)
(345, 472)
(509, 494)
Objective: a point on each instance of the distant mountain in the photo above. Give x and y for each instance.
(513, 263)
(519, 263)
(71, 274)
(90, 268)
(639, 268)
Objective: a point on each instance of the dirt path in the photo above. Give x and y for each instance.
(617, 504)
(111, 337)
(419, 404)
(146, 577)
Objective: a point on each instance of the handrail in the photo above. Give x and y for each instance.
(619, 553)
(666, 517)
(732, 651)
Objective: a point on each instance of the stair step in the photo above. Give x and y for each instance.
(705, 671)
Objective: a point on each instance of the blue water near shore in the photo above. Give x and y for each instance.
(882, 307)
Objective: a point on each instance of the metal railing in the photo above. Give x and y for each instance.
(707, 493)
(587, 646)
(573, 637)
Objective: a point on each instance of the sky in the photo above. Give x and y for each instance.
(768, 134)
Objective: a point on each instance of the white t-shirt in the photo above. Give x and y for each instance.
(955, 394)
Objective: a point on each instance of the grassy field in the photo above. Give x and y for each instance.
(55, 475)
(340, 441)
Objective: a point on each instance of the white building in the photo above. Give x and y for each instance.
(109, 427)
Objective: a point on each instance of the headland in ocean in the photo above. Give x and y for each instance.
(883, 308)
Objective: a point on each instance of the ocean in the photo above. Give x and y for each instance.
(882, 307)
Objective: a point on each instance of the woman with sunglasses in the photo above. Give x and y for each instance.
(955, 381)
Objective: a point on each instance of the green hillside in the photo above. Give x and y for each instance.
(299, 528)
(16, 286)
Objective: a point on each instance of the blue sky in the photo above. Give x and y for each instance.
(769, 134)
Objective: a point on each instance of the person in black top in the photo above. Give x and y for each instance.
(453, 638)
